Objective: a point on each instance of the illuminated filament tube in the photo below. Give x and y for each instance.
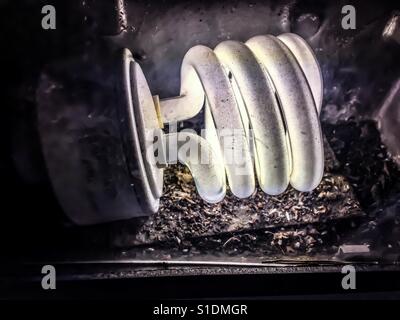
(262, 101)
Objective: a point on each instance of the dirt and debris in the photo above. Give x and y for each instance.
(183, 214)
(357, 203)
(273, 224)
(294, 224)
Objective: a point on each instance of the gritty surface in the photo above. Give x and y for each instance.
(293, 225)
(256, 226)
(183, 214)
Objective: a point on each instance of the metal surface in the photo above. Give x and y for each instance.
(388, 118)
(392, 28)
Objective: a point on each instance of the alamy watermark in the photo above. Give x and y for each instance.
(349, 17)
(49, 278)
(349, 280)
(231, 146)
(49, 18)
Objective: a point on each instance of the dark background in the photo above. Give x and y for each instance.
(158, 33)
